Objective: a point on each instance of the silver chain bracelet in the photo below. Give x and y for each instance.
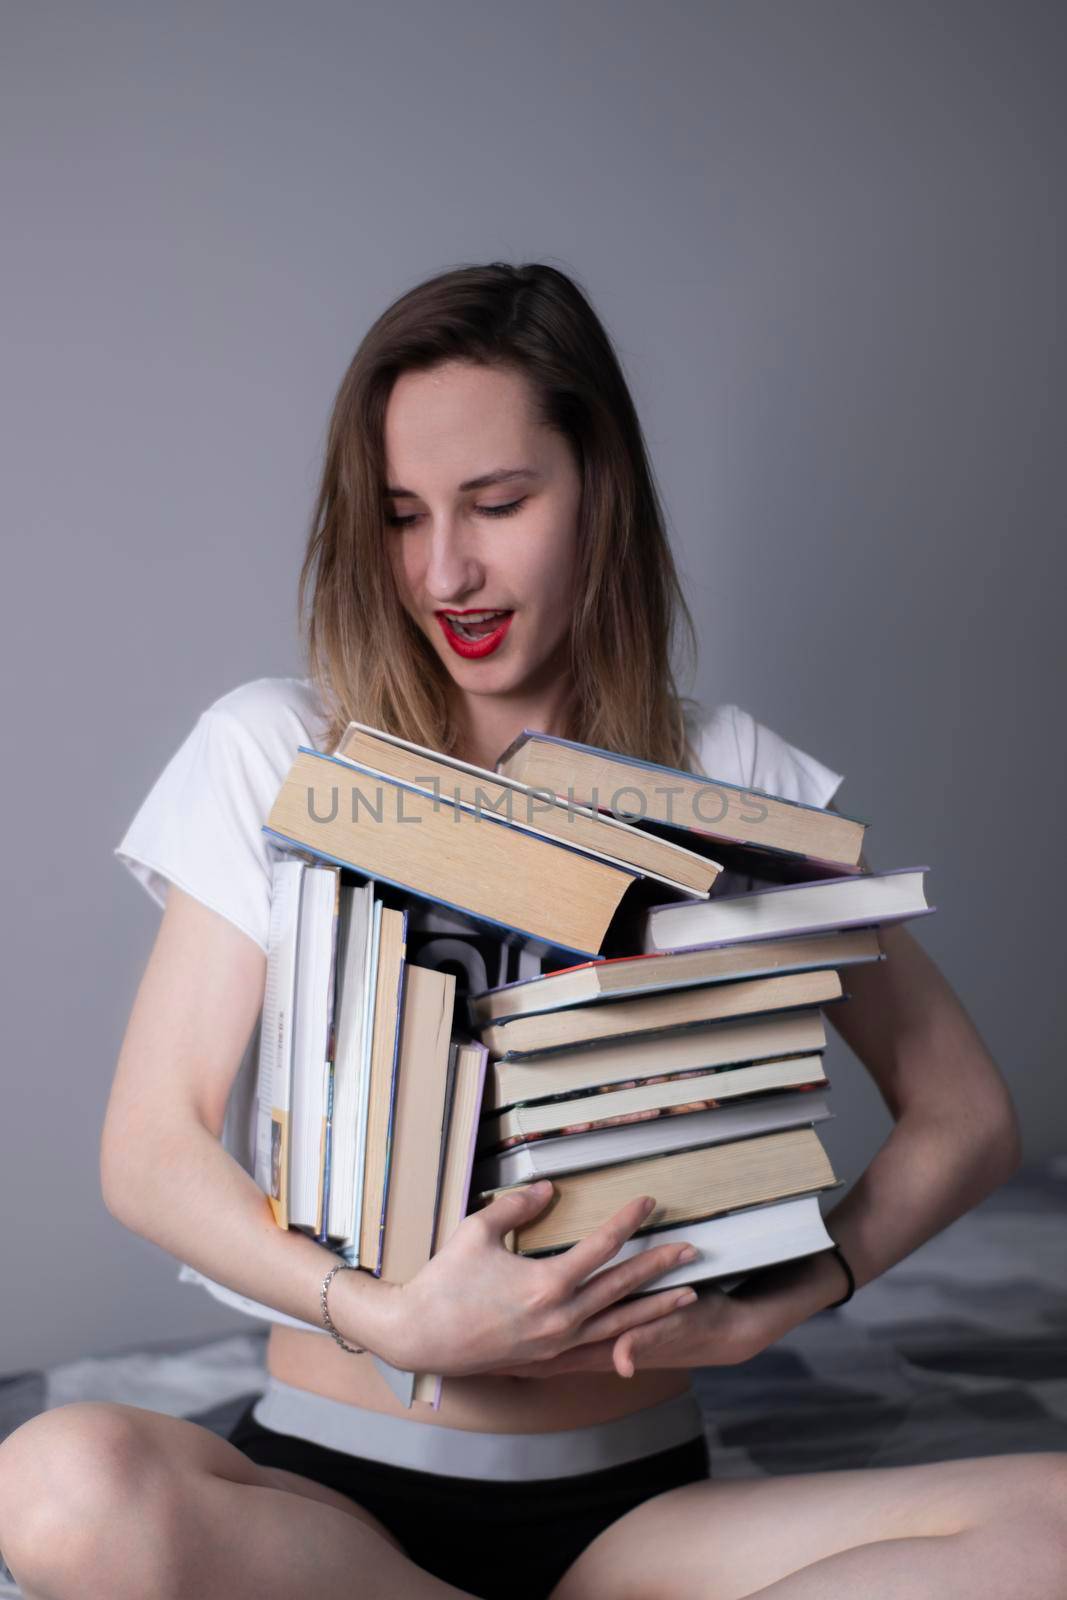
(327, 1320)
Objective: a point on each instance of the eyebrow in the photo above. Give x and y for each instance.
(487, 479)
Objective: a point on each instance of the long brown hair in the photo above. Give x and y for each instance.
(628, 607)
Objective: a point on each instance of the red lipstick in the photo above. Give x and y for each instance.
(474, 649)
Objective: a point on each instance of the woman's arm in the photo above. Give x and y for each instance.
(164, 1173)
(955, 1138)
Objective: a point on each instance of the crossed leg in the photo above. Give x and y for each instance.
(104, 1502)
(990, 1528)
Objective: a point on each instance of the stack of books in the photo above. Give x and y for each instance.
(428, 1038)
(367, 1098)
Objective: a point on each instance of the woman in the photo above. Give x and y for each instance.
(484, 457)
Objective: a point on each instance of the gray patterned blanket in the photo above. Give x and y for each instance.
(959, 1350)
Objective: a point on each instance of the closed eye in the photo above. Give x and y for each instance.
(486, 511)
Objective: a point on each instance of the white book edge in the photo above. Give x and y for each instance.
(349, 1064)
(310, 1044)
(792, 909)
(274, 1066)
(738, 1243)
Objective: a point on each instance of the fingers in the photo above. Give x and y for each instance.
(514, 1207)
(578, 1358)
(643, 1343)
(619, 1319)
(623, 1359)
(640, 1269)
(602, 1243)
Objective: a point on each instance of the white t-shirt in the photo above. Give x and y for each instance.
(200, 826)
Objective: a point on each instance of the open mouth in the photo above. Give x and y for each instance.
(472, 625)
(473, 634)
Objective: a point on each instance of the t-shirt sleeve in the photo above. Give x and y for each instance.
(776, 767)
(200, 825)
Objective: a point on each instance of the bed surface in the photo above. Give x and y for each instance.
(959, 1350)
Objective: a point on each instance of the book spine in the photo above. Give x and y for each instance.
(352, 1252)
(376, 1266)
(327, 1158)
(274, 1075)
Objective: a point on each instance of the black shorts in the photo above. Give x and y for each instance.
(497, 1540)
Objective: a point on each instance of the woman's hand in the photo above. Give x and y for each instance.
(707, 1332)
(718, 1329)
(476, 1306)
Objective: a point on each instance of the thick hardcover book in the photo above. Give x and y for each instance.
(353, 1015)
(311, 1039)
(379, 1113)
(582, 1152)
(477, 864)
(456, 1166)
(736, 1244)
(580, 827)
(655, 1013)
(653, 972)
(645, 792)
(419, 1122)
(713, 1044)
(859, 899)
(687, 1185)
(658, 1094)
(275, 1068)
(332, 992)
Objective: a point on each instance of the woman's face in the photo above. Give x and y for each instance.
(459, 545)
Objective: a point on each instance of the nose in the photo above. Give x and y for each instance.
(453, 566)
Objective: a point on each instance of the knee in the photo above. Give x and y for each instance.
(73, 1481)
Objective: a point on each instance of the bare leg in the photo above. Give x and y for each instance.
(990, 1527)
(104, 1502)
(982, 1563)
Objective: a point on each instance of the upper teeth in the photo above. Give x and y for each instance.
(472, 616)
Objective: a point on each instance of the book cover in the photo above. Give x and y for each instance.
(275, 1065)
(325, 1157)
(396, 1011)
(595, 832)
(505, 853)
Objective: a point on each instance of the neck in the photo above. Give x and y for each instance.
(487, 725)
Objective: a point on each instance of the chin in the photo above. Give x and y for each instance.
(487, 676)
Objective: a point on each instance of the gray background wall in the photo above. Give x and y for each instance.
(827, 239)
